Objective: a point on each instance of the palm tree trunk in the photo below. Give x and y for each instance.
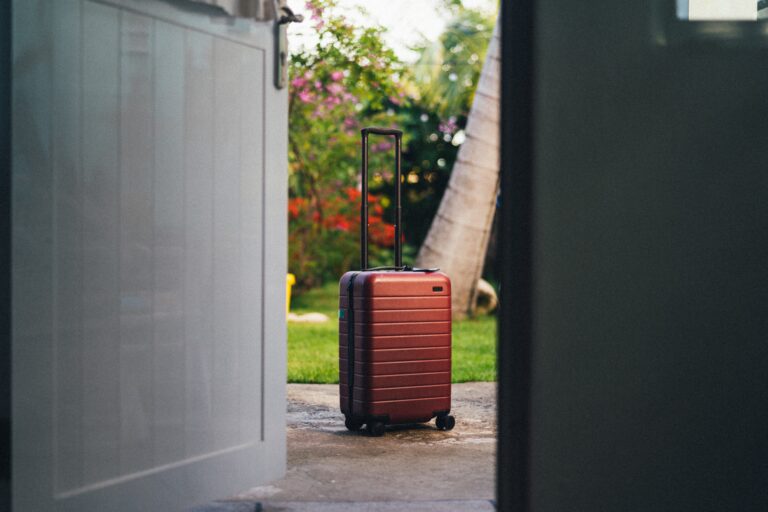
(458, 238)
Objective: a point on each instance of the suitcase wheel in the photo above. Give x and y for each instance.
(352, 424)
(445, 422)
(376, 428)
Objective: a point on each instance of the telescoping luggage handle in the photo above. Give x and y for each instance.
(398, 196)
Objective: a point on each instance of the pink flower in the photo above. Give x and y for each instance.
(335, 89)
(449, 126)
(305, 96)
(317, 15)
(381, 147)
(317, 12)
(337, 75)
(298, 82)
(318, 85)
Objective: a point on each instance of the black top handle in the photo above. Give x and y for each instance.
(398, 196)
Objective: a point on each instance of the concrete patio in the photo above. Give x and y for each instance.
(415, 468)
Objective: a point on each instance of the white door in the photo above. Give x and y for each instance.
(149, 255)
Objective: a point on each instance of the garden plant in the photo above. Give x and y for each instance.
(347, 80)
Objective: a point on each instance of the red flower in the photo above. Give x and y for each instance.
(353, 194)
(295, 205)
(342, 225)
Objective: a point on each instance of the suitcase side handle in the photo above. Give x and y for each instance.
(398, 135)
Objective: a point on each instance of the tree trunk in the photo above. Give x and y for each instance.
(458, 238)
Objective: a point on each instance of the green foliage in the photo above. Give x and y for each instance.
(323, 241)
(427, 162)
(351, 79)
(447, 71)
(348, 80)
(313, 349)
(444, 79)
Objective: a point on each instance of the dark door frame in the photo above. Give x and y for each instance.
(731, 414)
(5, 255)
(515, 254)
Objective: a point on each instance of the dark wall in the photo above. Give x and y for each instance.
(5, 255)
(634, 329)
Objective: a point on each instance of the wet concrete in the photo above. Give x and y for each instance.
(416, 464)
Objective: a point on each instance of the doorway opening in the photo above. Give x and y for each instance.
(435, 77)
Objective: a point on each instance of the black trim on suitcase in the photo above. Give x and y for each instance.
(351, 341)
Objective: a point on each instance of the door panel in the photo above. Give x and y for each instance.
(169, 367)
(149, 170)
(100, 246)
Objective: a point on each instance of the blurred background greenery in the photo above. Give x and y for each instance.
(347, 73)
(348, 78)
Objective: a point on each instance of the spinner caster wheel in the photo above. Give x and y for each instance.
(352, 424)
(376, 428)
(446, 422)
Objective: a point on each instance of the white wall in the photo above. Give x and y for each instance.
(722, 9)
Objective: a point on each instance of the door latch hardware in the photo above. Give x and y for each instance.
(284, 16)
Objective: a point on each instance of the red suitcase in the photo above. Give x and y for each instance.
(394, 333)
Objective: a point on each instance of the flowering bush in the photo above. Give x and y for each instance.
(321, 249)
(348, 80)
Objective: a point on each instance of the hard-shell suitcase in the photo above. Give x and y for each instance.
(394, 332)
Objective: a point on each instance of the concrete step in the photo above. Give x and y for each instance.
(381, 506)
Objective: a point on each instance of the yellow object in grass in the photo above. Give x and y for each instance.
(289, 282)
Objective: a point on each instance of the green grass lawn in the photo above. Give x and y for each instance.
(313, 349)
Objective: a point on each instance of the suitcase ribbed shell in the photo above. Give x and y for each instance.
(402, 345)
